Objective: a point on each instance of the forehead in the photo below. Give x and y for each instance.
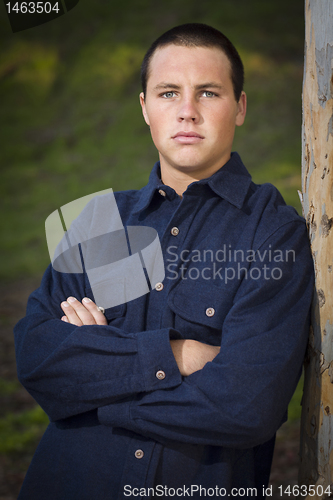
(174, 62)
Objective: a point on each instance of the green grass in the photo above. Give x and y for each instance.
(8, 387)
(295, 408)
(70, 118)
(20, 432)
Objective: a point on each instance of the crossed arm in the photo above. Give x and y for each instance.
(237, 400)
(190, 355)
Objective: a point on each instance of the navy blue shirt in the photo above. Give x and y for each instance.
(239, 275)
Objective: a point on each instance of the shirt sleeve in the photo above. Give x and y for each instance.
(70, 370)
(240, 398)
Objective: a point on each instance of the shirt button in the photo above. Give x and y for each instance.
(210, 312)
(139, 454)
(160, 374)
(174, 231)
(159, 286)
(162, 193)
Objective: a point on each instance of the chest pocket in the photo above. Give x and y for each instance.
(200, 309)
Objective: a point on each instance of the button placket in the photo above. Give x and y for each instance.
(139, 454)
(210, 311)
(137, 463)
(160, 374)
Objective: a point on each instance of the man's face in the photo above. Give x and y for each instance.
(191, 109)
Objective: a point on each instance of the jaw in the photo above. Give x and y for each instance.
(193, 159)
(179, 175)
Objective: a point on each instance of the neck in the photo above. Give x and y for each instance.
(179, 180)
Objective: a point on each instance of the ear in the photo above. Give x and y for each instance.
(241, 112)
(143, 106)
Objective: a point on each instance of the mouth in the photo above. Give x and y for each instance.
(187, 138)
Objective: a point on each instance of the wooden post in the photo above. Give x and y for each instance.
(316, 468)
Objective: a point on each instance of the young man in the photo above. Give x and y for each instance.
(180, 391)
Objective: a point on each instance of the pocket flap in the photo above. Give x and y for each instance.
(201, 302)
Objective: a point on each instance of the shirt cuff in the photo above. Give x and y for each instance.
(158, 364)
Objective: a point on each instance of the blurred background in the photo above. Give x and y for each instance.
(71, 125)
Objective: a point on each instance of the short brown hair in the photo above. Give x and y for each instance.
(198, 35)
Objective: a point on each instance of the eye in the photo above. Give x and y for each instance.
(169, 94)
(208, 93)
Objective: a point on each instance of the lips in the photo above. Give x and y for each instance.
(187, 137)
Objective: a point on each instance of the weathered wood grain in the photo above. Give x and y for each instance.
(317, 198)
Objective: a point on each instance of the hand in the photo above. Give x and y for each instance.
(191, 355)
(85, 313)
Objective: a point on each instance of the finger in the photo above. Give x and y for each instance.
(84, 314)
(99, 317)
(65, 319)
(70, 313)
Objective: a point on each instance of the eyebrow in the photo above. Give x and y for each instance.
(211, 85)
(165, 85)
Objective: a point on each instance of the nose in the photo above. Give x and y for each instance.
(188, 109)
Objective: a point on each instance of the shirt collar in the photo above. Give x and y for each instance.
(148, 191)
(231, 182)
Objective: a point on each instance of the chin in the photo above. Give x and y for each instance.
(188, 164)
(189, 167)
